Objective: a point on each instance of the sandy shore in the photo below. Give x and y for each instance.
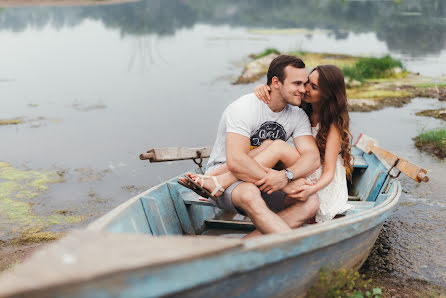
(22, 3)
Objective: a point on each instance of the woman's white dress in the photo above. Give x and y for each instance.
(332, 198)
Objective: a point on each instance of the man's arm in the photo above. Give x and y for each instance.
(307, 163)
(309, 159)
(238, 162)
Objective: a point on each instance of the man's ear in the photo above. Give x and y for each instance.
(275, 82)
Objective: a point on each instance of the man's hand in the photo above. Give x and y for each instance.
(273, 181)
(295, 189)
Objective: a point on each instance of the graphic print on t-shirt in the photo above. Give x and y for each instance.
(269, 130)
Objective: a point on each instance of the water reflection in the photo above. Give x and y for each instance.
(411, 27)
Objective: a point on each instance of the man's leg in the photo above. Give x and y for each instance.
(295, 214)
(247, 196)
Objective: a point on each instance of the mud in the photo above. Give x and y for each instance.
(439, 113)
(431, 148)
(11, 255)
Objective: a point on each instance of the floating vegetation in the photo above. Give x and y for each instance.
(35, 236)
(374, 68)
(91, 175)
(439, 113)
(343, 283)
(32, 122)
(79, 107)
(17, 189)
(432, 141)
(13, 121)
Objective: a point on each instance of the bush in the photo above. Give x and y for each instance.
(372, 68)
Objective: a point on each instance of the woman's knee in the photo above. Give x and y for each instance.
(312, 204)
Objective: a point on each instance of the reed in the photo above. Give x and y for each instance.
(373, 68)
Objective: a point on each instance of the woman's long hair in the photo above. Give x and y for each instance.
(333, 110)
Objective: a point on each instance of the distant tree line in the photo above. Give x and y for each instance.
(409, 26)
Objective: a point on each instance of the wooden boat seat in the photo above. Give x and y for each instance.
(191, 198)
(359, 162)
(230, 224)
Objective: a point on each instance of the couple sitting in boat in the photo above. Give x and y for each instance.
(254, 171)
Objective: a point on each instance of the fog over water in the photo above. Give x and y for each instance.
(98, 85)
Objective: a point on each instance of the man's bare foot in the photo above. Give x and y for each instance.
(208, 183)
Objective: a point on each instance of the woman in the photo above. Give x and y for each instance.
(325, 103)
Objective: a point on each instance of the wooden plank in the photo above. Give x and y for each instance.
(359, 162)
(166, 208)
(131, 220)
(369, 179)
(191, 198)
(354, 198)
(230, 224)
(377, 185)
(175, 153)
(369, 145)
(154, 216)
(180, 208)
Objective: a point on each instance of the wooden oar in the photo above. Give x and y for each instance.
(175, 153)
(369, 145)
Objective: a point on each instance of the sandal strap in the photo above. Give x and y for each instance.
(218, 186)
(199, 178)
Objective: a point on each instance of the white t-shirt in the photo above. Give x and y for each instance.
(252, 118)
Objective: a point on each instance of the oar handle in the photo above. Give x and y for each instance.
(423, 177)
(148, 155)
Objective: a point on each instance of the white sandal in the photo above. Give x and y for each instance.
(200, 178)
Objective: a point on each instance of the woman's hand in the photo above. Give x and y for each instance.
(303, 192)
(262, 92)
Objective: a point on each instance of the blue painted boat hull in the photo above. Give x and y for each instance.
(276, 265)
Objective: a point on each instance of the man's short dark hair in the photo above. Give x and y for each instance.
(277, 66)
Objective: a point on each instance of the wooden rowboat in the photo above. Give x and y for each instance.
(160, 243)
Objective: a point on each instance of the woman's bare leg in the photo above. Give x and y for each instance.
(269, 156)
(224, 168)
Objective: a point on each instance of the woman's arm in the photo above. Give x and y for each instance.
(332, 148)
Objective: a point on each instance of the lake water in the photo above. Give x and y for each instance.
(98, 85)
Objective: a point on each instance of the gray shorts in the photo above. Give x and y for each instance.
(274, 201)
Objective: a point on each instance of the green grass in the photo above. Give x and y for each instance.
(343, 283)
(266, 52)
(436, 137)
(427, 85)
(372, 68)
(297, 53)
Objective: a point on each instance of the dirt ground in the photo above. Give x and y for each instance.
(19, 3)
(11, 255)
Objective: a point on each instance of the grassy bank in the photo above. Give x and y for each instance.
(372, 83)
(432, 141)
(374, 68)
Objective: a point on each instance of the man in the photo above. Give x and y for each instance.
(245, 124)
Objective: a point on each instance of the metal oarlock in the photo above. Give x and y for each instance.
(394, 166)
(199, 163)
